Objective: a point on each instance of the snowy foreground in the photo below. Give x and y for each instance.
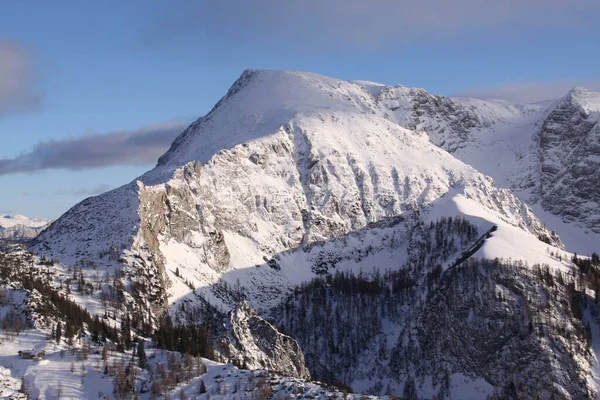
(69, 373)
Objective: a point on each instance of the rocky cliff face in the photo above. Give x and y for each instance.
(569, 142)
(548, 152)
(448, 123)
(253, 343)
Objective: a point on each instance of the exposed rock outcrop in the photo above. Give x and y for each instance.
(254, 343)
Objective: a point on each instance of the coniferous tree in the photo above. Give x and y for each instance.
(59, 390)
(105, 353)
(22, 388)
(58, 331)
(141, 353)
(410, 390)
(95, 329)
(126, 332)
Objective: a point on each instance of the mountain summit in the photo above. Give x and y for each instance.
(257, 104)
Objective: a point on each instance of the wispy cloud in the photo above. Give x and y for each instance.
(136, 147)
(79, 192)
(16, 79)
(323, 23)
(85, 192)
(529, 92)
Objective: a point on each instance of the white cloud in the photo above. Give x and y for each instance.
(529, 92)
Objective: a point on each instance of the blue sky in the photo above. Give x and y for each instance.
(92, 92)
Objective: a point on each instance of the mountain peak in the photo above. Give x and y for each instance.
(256, 105)
(580, 89)
(587, 99)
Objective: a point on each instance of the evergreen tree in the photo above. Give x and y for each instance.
(142, 360)
(58, 331)
(410, 389)
(95, 329)
(22, 388)
(126, 332)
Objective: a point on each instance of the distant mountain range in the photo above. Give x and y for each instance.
(20, 227)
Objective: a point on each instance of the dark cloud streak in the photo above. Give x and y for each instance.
(138, 147)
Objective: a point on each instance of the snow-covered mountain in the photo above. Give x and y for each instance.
(284, 162)
(294, 176)
(20, 227)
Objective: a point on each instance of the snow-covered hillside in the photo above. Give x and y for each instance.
(294, 175)
(82, 368)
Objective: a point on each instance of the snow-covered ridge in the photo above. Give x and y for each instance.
(498, 138)
(261, 101)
